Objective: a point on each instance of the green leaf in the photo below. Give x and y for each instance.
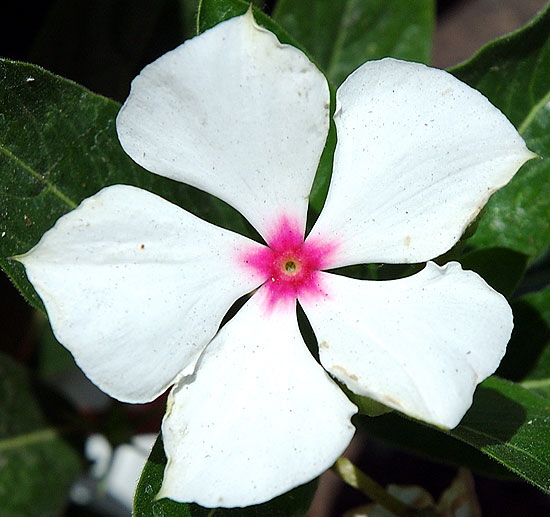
(429, 442)
(528, 357)
(341, 36)
(52, 358)
(501, 268)
(538, 379)
(38, 466)
(189, 10)
(149, 484)
(58, 145)
(510, 424)
(323, 175)
(292, 504)
(506, 422)
(513, 73)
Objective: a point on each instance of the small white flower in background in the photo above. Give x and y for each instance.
(458, 500)
(125, 468)
(119, 470)
(136, 287)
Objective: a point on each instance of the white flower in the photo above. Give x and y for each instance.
(136, 287)
(118, 471)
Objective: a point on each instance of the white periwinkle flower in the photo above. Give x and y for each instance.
(136, 287)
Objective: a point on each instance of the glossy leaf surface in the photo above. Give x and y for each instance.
(510, 424)
(340, 36)
(501, 268)
(528, 358)
(506, 422)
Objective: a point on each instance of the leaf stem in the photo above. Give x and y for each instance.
(533, 112)
(23, 440)
(535, 383)
(359, 480)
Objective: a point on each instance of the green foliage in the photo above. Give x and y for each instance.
(502, 268)
(429, 442)
(340, 36)
(528, 358)
(513, 73)
(292, 504)
(38, 466)
(538, 378)
(510, 424)
(506, 422)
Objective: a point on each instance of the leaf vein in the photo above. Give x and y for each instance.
(51, 187)
(533, 112)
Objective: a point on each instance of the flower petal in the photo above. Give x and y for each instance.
(135, 287)
(235, 113)
(419, 153)
(419, 344)
(259, 417)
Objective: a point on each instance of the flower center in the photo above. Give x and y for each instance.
(290, 265)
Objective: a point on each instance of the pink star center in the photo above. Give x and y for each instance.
(290, 265)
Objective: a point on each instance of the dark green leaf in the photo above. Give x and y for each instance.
(340, 36)
(293, 504)
(430, 443)
(513, 73)
(38, 466)
(506, 422)
(512, 425)
(58, 145)
(149, 484)
(538, 379)
(189, 9)
(501, 268)
(321, 183)
(52, 358)
(528, 357)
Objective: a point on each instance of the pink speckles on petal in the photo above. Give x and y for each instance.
(290, 265)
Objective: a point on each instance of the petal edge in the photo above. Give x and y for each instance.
(235, 113)
(419, 344)
(259, 418)
(120, 274)
(419, 153)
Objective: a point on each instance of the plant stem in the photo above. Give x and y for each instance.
(358, 479)
(24, 440)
